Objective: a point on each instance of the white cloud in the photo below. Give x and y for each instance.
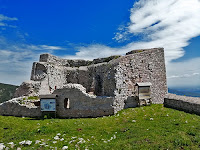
(5, 18)
(183, 76)
(51, 47)
(185, 73)
(16, 60)
(16, 57)
(169, 24)
(161, 23)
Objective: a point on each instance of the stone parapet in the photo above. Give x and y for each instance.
(184, 103)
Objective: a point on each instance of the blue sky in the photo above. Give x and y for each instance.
(91, 28)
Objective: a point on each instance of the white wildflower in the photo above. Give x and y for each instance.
(38, 124)
(133, 120)
(65, 147)
(18, 148)
(105, 141)
(22, 142)
(167, 115)
(54, 142)
(28, 142)
(2, 146)
(58, 134)
(81, 140)
(11, 144)
(42, 144)
(62, 139)
(186, 121)
(114, 136)
(7, 148)
(73, 137)
(151, 118)
(56, 138)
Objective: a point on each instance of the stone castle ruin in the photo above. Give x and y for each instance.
(95, 88)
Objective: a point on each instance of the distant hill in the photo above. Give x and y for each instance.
(6, 92)
(185, 92)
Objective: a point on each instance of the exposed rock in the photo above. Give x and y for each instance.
(29, 88)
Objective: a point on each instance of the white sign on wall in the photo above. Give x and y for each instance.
(48, 104)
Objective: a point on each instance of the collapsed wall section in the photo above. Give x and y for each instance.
(81, 104)
(15, 107)
(97, 78)
(52, 73)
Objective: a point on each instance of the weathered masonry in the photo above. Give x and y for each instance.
(183, 103)
(100, 87)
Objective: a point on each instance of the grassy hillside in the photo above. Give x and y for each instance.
(6, 91)
(151, 127)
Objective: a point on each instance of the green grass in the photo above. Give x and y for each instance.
(33, 98)
(152, 127)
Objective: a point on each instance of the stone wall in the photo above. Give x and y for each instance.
(82, 104)
(17, 107)
(114, 76)
(74, 63)
(184, 103)
(63, 62)
(140, 66)
(97, 78)
(28, 88)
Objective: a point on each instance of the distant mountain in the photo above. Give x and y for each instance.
(6, 92)
(193, 92)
